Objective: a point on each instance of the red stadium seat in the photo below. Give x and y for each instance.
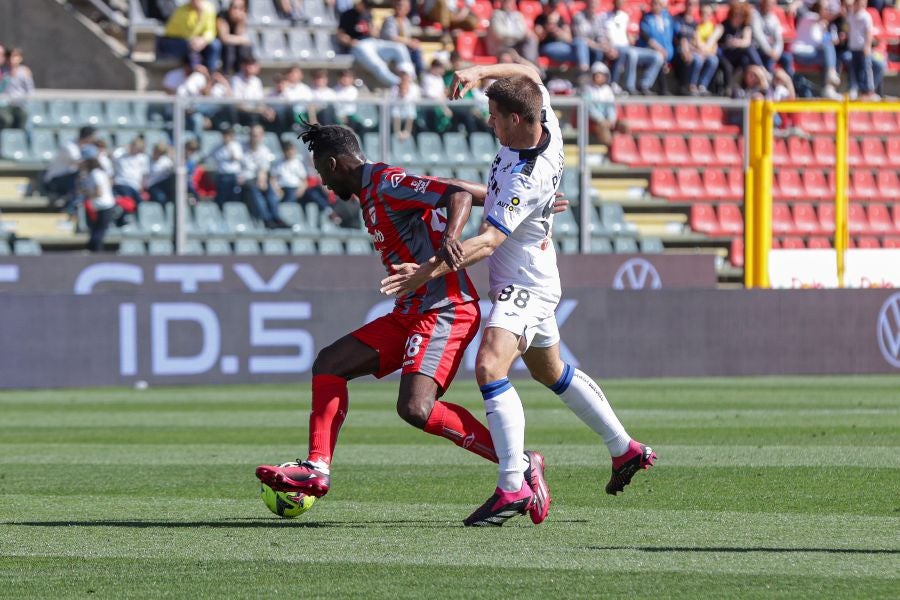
(856, 158)
(736, 182)
(650, 150)
(717, 186)
(701, 150)
(676, 150)
(877, 25)
(893, 150)
(873, 152)
(624, 150)
(530, 9)
(736, 254)
(862, 185)
(662, 118)
(788, 185)
(663, 184)
(726, 149)
(792, 243)
(800, 152)
(731, 221)
(471, 48)
(690, 186)
(884, 123)
(867, 242)
(816, 186)
(891, 21)
(888, 184)
(805, 219)
(687, 118)
(830, 122)
(856, 219)
(826, 218)
(822, 243)
(823, 151)
(811, 122)
(482, 9)
(712, 117)
(703, 219)
(782, 221)
(880, 219)
(776, 243)
(896, 214)
(861, 123)
(892, 242)
(637, 116)
(780, 155)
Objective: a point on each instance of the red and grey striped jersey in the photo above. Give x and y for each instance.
(400, 212)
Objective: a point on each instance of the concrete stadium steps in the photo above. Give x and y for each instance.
(13, 188)
(620, 189)
(42, 226)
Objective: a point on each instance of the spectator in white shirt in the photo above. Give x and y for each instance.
(16, 82)
(246, 85)
(815, 46)
(288, 176)
(160, 179)
(258, 194)
(601, 107)
(321, 108)
(96, 189)
(403, 105)
(629, 57)
(131, 166)
(859, 42)
(345, 95)
(228, 158)
(60, 177)
(510, 31)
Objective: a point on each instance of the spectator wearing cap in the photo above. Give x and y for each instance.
(95, 188)
(16, 82)
(695, 65)
(658, 32)
(355, 35)
(192, 31)
(508, 30)
(131, 166)
(630, 57)
(398, 28)
(231, 25)
(597, 93)
(555, 39)
(61, 175)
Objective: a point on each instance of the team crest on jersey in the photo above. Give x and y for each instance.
(420, 185)
(397, 178)
(373, 219)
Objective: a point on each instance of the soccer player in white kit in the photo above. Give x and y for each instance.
(525, 289)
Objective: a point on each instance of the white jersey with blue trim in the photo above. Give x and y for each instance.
(521, 192)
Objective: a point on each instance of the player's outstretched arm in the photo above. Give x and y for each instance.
(410, 276)
(466, 79)
(478, 190)
(459, 204)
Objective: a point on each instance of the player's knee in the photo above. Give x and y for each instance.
(414, 411)
(546, 374)
(327, 362)
(487, 371)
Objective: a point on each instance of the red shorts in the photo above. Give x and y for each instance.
(430, 343)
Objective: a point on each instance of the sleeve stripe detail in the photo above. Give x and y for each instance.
(498, 225)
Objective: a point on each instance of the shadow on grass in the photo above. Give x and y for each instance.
(745, 550)
(251, 524)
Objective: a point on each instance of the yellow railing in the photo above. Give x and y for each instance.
(758, 179)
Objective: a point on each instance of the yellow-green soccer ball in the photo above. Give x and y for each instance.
(286, 504)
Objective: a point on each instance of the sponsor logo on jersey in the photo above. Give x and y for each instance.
(889, 330)
(378, 236)
(419, 185)
(512, 206)
(397, 178)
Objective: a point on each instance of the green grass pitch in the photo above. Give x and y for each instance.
(764, 487)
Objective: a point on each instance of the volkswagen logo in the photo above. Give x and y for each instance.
(636, 274)
(889, 330)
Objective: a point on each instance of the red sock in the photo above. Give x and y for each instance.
(458, 425)
(329, 409)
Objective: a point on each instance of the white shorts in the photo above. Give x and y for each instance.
(526, 314)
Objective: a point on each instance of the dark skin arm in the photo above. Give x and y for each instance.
(479, 193)
(459, 204)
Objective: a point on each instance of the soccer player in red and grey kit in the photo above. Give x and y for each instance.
(425, 335)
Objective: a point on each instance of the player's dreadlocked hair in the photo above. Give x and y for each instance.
(329, 140)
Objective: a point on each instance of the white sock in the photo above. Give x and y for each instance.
(585, 398)
(506, 422)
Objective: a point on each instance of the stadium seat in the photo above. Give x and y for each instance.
(861, 123)
(567, 245)
(703, 219)
(403, 151)
(731, 221)
(600, 245)
(867, 241)
(780, 154)
(873, 152)
(712, 118)
(857, 222)
(132, 248)
(359, 247)
(27, 247)
(676, 150)
(890, 18)
(893, 150)
(805, 220)
(470, 47)
(192, 248)
(855, 158)
(727, 150)
(879, 219)
(330, 246)
(650, 150)
(788, 185)
(877, 25)
(43, 145)
(810, 122)
(624, 150)
(238, 220)
(371, 145)
(792, 243)
(638, 117)
(690, 187)
(160, 248)
(625, 245)
(263, 13)
(218, 247)
(663, 184)
(469, 174)
(891, 242)
(90, 112)
(816, 186)
(888, 184)
(662, 118)
(273, 44)
(292, 214)
(612, 218)
(152, 219)
(457, 148)
(323, 45)
(431, 149)
(687, 118)
(484, 147)
(303, 247)
(300, 44)
(14, 145)
(570, 186)
(208, 219)
(475, 217)
(800, 152)
(37, 113)
(782, 221)
(274, 247)
(61, 113)
(246, 247)
(825, 213)
(717, 186)
(736, 182)
(736, 252)
(819, 243)
(319, 13)
(119, 113)
(652, 245)
(862, 185)
(823, 151)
